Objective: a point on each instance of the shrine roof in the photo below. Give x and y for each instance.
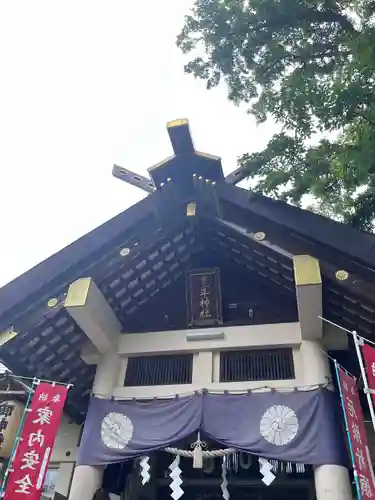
(141, 257)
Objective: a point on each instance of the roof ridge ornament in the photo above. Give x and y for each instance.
(186, 160)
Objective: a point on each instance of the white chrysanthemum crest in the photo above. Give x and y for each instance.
(116, 430)
(279, 425)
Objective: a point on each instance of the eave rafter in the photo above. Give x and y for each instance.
(53, 345)
(340, 299)
(244, 248)
(283, 227)
(146, 272)
(25, 297)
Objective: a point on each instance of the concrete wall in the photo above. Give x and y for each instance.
(65, 447)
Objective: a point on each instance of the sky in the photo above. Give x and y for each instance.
(86, 84)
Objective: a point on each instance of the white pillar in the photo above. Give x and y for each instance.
(107, 374)
(315, 363)
(332, 482)
(88, 479)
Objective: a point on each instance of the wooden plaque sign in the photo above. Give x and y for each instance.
(10, 418)
(204, 298)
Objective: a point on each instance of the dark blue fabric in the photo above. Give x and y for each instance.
(318, 439)
(300, 426)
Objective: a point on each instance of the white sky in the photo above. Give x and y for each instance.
(85, 84)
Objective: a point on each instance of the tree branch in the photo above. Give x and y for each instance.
(360, 113)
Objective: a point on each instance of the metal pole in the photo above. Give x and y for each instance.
(12, 393)
(355, 473)
(364, 377)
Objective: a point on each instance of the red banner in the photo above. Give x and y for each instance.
(29, 467)
(357, 434)
(369, 357)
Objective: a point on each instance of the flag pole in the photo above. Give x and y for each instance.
(358, 342)
(355, 473)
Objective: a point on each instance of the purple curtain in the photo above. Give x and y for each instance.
(301, 426)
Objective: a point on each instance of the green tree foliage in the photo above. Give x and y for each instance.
(309, 66)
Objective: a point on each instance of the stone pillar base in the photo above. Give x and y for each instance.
(332, 482)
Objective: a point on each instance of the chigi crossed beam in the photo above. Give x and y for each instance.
(182, 144)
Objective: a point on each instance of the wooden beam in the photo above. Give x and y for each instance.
(133, 178)
(180, 136)
(308, 282)
(8, 335)
(89, 353)
(88, 307)
(5, 392)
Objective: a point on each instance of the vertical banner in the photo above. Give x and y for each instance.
(33, 453)
(357, 435)
(369, 357)
(204, 298)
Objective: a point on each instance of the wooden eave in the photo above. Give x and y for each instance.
(163, 245)
(44, 278)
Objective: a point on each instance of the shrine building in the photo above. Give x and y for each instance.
(191, 328)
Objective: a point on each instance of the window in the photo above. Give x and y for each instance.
(270, 364)
(50, 483)
(159, 370)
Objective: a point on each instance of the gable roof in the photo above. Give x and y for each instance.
(43, 276)
(163, 244)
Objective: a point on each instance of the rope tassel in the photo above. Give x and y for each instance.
(198, 457)
(198, 452)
